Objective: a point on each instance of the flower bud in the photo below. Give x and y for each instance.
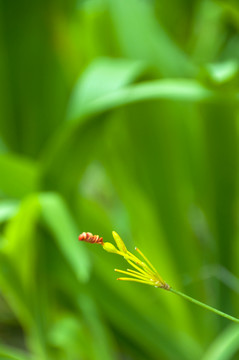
(110, 248)
(119, 242)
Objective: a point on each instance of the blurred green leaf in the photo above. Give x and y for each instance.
(13, 354)
(57, 217)
(224, 72)
(12, 288)
(102, 344)
(19, 233)
(19, 257)
(225, 345)
(66, 334)
(102, 77)
(207, 33)
(8, 208)
(181, 90)
(142, 37)
(19, 175)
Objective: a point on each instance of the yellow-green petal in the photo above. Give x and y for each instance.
(119, 242)
(110, 248)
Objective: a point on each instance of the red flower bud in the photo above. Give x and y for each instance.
(90, 238)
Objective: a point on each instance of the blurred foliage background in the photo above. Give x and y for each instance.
(118, 114)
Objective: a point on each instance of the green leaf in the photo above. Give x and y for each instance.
(102, 77)
(221, 73)
(8, 208)
(7, 353)
(20, 239)
(225, 345)
(102, 344)
(141, 36)
(60, 222)
(165, 89)
(19, 175)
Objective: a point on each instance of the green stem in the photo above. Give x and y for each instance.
(229, 317)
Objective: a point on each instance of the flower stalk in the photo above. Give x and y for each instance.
(205, 306)
(143, 271)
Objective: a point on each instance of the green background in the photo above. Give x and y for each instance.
(118, 115)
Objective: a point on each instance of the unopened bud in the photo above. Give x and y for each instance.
(110, 248)
(90, 238)
(119, 242)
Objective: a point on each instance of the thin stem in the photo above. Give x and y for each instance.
(218, 312)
